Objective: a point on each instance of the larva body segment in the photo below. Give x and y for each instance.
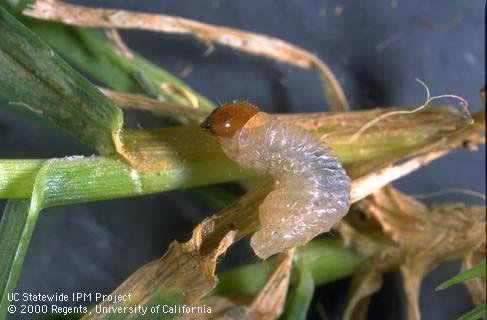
(313, 190)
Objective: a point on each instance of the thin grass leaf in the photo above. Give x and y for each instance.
(475, 272)
(93, 53)
(476, 313)
(300, 293)
(35, 79)
(16, 227)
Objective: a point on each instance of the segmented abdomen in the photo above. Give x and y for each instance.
(313, 190)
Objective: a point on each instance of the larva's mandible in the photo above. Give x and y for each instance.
(313, 190)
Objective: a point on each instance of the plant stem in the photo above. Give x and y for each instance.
(327, 259)
(182, 157)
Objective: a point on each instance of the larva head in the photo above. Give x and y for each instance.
(227, 119)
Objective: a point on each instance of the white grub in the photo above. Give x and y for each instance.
(313, 189)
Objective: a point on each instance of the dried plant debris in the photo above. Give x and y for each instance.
(113, 35)
(249, 42)
(463, 103)
(186, 272)
(182, 275)
(268, 304)
(158, 107)
(402, 233)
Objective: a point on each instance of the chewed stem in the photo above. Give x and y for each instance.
(463, 103)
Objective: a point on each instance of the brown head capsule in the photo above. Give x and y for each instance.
(227, 119)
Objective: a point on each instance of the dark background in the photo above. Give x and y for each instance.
(375, 48)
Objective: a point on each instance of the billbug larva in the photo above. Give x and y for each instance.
(313, 189)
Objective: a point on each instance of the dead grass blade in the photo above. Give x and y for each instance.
(117, 40)
(268, 304)
(162, 108)
(364, 285)
(249, 42)
(182, 275)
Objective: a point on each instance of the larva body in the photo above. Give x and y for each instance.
(313, 190)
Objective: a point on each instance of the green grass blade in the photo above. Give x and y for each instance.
(475, 272)
(95, 54)
(300, 293)
(35, 79)
(16, 227)
(478, 312)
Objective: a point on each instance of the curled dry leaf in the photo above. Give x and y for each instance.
(249, 42)
(182, 275)
(117, 40)
(419, 239)
(187, 271)
(161, 108)
(268, 304)
(363, 286)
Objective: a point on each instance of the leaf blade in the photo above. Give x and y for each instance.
(475, 272)
(36, 79)
(476, 313)
(92, 53)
